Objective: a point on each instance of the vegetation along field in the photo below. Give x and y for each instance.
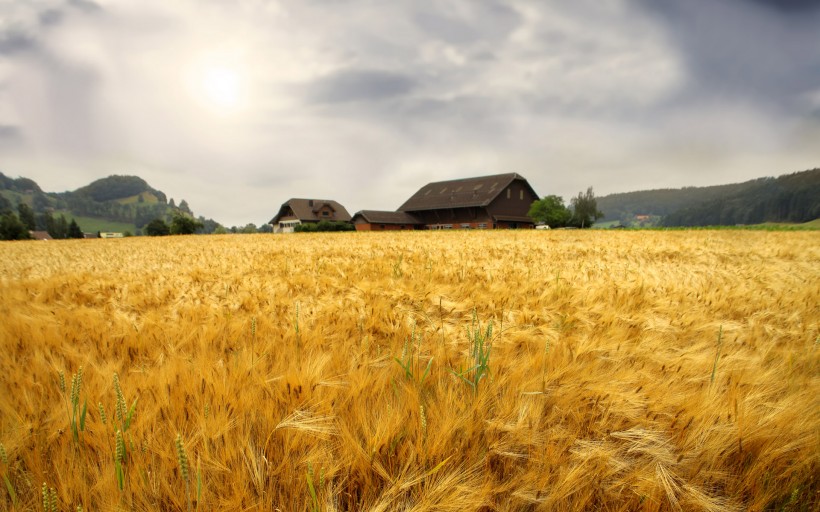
(562, 370)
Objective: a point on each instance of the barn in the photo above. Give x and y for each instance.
(486, 202)
(297, 211)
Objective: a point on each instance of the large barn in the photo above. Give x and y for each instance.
(486, 202)
(300, 211)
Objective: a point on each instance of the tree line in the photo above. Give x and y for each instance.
(551, 210)
(18, 226)
(787, 198)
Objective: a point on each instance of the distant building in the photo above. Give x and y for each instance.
(374, 220)
(486, 202)
(300, 211)
(40, 235)
(108, 234)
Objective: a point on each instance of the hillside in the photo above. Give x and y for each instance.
(114, 203)
(788, 198)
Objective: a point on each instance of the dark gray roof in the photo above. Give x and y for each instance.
(306, 209)
(461, 193)
(382, 217)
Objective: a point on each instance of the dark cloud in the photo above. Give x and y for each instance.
(22, 35)
(14, 42)
(790, 6)
(10, 136)
(51, 17)
(751, 49)
(9, 132)
(360, 85)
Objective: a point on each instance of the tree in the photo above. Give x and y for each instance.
(585, 209)
(5, 204)
(171, 203)
(26, 216)
(157, 227)
(551, 211)
(249, 228)
(74, 230)
(184, 225)
(12, 229)
(183, 206)
(57, 228)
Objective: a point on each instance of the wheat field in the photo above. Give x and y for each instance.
(412, 371)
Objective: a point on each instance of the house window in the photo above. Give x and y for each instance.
(465, 226)
(509, 192)
(325, 214)
(447, 226)
(482, 226)
(310, 202)
(521, 194)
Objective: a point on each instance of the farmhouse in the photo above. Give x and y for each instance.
(487, 202)
(300, 211)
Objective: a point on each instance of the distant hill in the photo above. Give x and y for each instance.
(788, 198)
(115, 203)
(117, 187)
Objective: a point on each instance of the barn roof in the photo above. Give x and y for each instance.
(462, 193)
(382, 217)
(306, 209)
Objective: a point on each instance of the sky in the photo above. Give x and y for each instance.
(237, 106)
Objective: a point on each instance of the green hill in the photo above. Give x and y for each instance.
(117, 187)
(115, 203)
(788, 198)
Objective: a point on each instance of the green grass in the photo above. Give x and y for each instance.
(813, 225)
(606, 225)
(92, 224)
(148, 198)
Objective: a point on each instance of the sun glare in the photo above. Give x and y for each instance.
(218, 83)
(222, 87)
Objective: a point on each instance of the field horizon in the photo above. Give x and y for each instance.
(563, 370)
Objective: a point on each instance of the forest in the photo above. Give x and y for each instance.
(788, 198)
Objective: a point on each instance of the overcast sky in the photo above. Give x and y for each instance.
(237, 106)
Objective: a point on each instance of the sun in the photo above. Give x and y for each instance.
(222, 87)
(218, 84)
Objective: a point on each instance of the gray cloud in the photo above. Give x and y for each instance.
(13, 42)
(763, 50)
(360, 85)
(51, 17)
(9, 132)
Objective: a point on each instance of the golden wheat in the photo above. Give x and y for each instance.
(626, 371)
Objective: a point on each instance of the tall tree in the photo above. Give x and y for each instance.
(551, 211)
(74, 230)
(585, 209)
(26, 216)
